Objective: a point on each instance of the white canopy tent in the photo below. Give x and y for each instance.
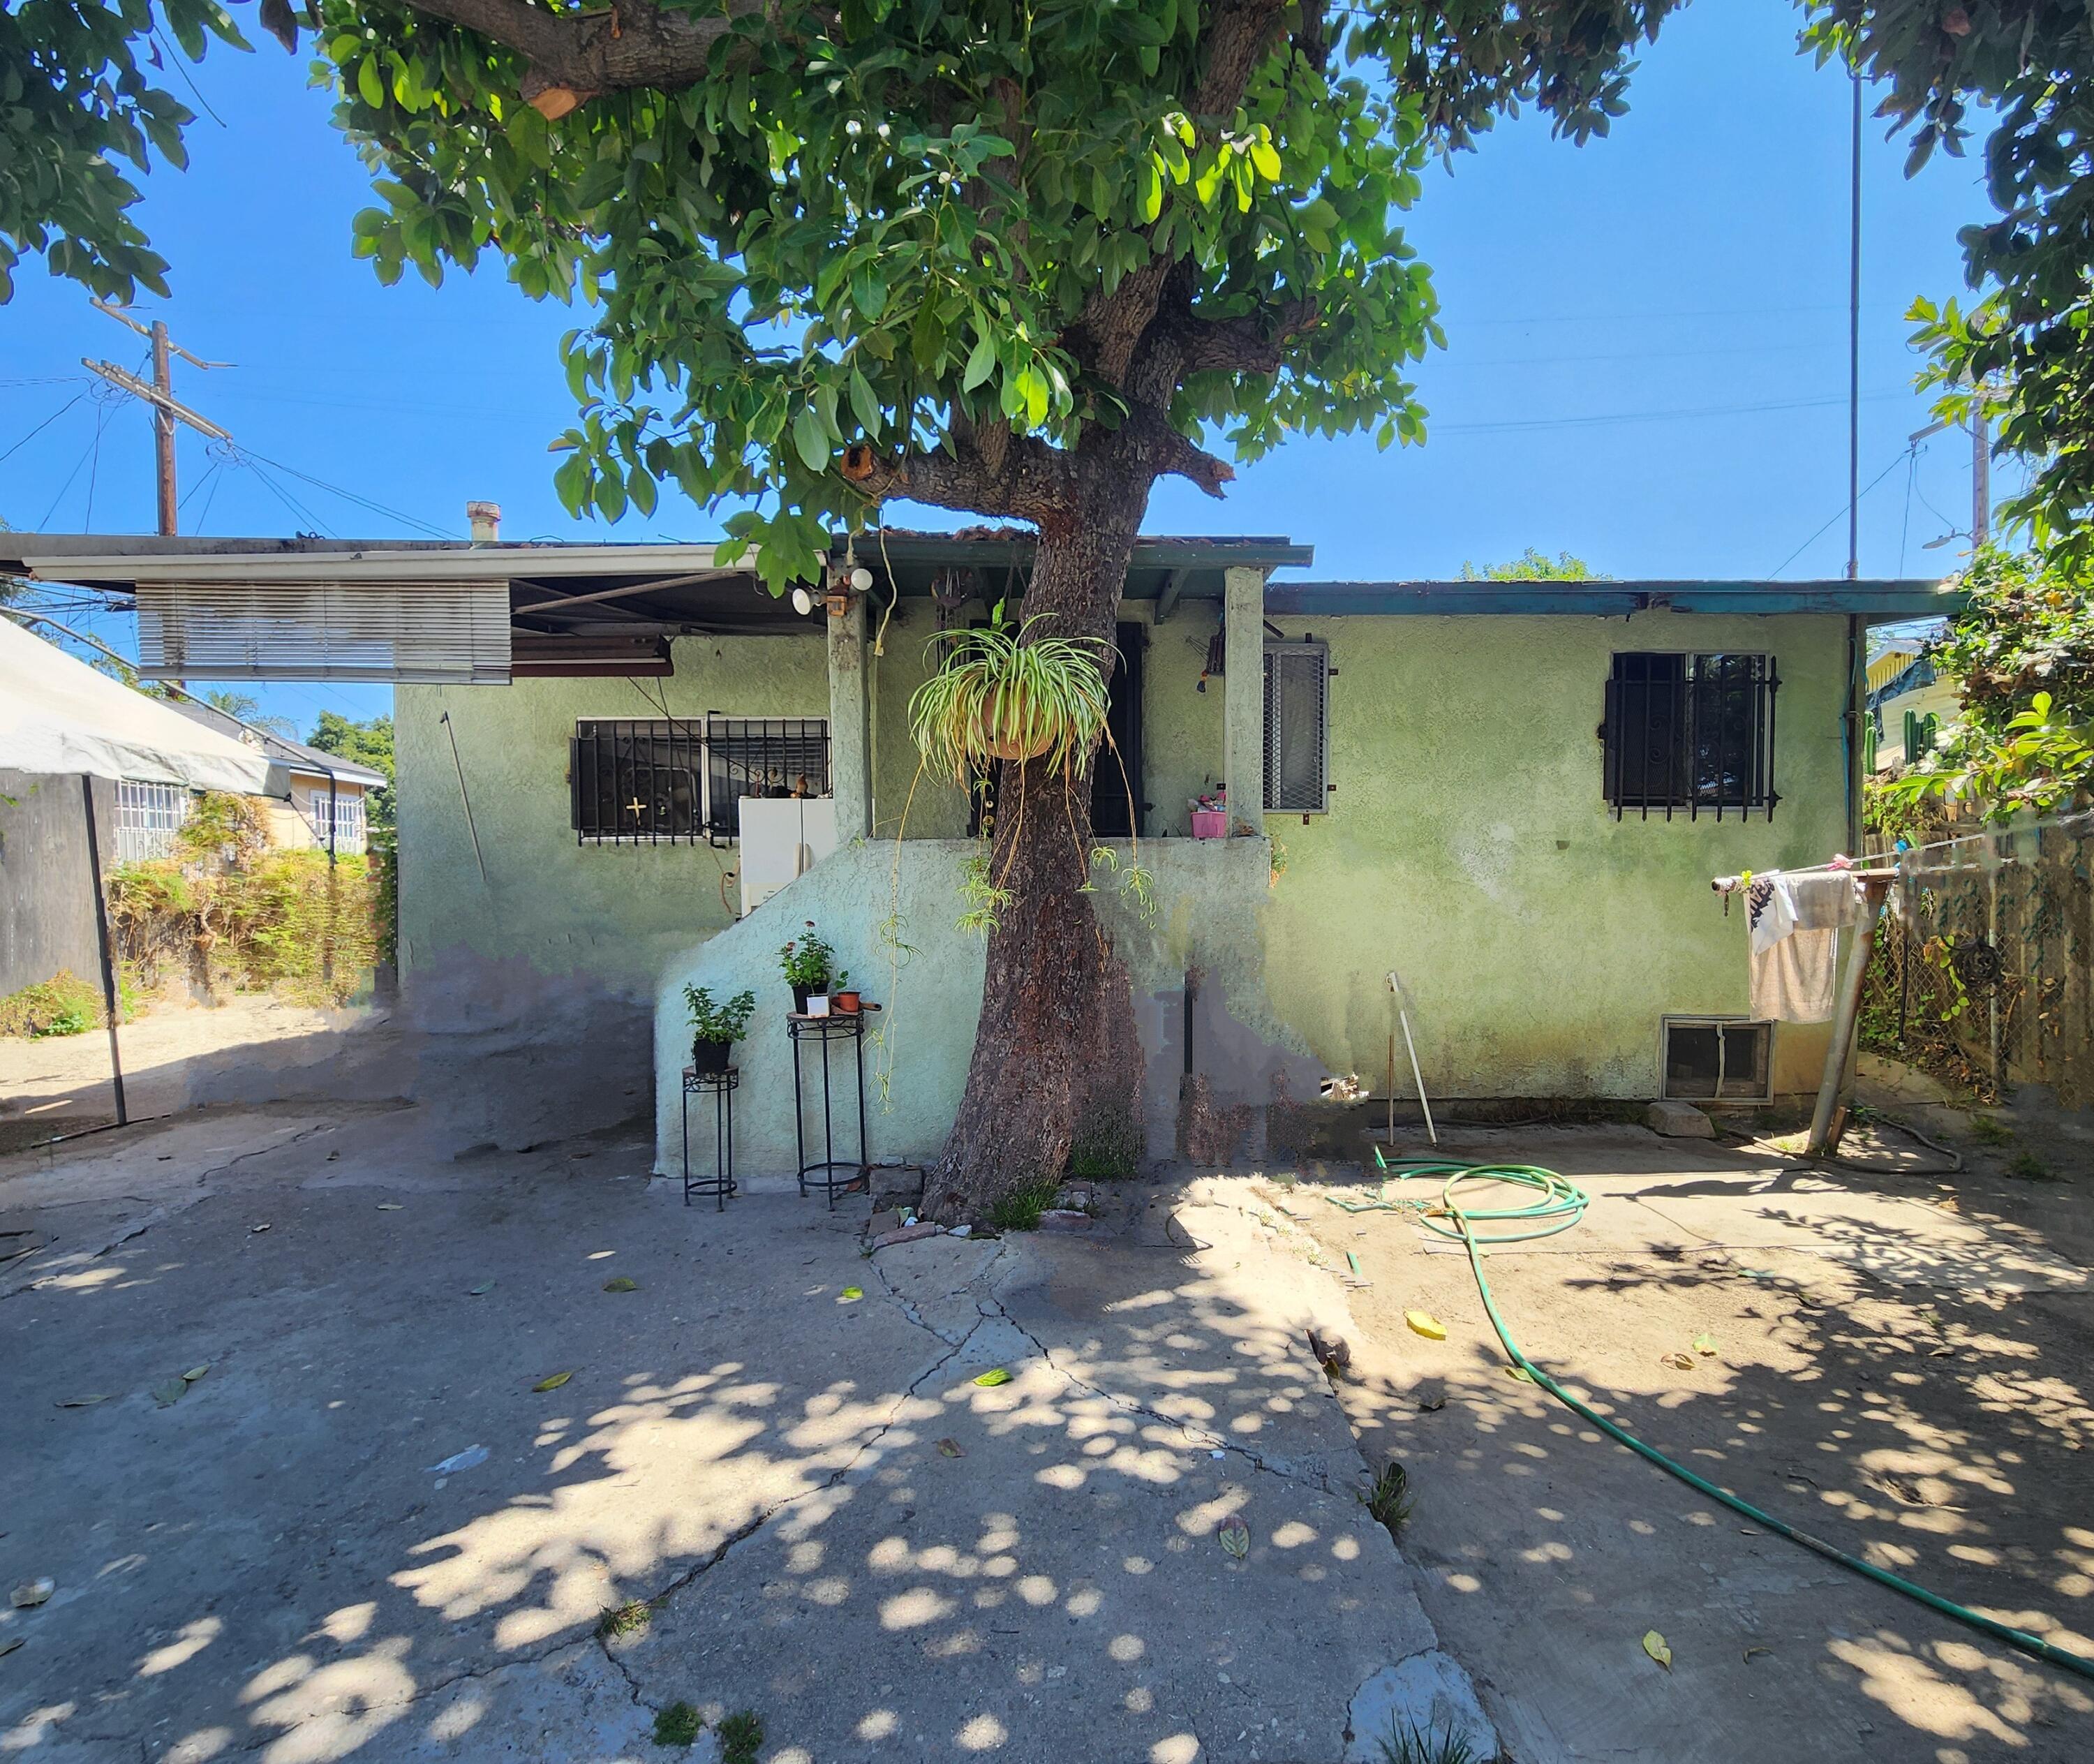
(59, 717)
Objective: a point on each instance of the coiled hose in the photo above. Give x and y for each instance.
(1558, 1204)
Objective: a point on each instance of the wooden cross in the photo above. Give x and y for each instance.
(634, 807)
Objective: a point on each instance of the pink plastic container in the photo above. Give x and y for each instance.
(1210, 824)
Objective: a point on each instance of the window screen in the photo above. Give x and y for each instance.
(1717, 1059)
(1297, 727)
(1690, 731)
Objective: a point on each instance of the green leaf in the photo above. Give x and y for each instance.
(810, 441)
(621, 1284)
(981, 363)
(370, 83)
(994, 1376)
(553, 1381)
(865, 405)
(869, 294)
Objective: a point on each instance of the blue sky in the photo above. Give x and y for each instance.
(1647, 362)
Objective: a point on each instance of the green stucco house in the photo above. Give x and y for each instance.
(1513, 794)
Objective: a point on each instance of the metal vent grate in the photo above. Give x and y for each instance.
(444, 632)
(1297, 727)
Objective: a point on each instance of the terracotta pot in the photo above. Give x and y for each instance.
(845, 1002)
(998, 725)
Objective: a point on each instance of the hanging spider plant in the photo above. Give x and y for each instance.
(997, 695)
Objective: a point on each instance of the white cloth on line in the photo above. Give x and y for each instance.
(1795, 936)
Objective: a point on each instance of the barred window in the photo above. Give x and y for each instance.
(680, 780)
(1297, 748)
(1692, 733)
(148, 817)
(350, 836)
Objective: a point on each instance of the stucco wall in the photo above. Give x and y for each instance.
(1468, 847)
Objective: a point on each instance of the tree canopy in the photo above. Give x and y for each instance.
(957, 238)
(368, 743)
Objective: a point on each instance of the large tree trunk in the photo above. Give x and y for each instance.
(1055, 1056)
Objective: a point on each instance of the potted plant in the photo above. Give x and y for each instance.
(807, 963)
(842, 994)
(716, 1027)
(999, 693)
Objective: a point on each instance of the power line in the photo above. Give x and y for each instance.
(1648, 416)
(350, 496)
(46, 423)
(1828, 526)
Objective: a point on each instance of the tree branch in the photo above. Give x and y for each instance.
(575, 56)
(1031, 481)
(1156, 447)
(1247, 345)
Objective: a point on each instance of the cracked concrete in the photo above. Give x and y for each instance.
(834, 1524)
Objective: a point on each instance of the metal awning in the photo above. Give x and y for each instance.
(1877, 602)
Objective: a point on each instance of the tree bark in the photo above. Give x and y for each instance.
(1055, 1055)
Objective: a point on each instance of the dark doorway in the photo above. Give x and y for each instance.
(1110, 789)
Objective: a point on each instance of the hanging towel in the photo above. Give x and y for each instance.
(1795, 938)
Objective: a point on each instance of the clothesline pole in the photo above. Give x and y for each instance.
(1876, 886)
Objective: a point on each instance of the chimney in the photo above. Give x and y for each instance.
(485, 520)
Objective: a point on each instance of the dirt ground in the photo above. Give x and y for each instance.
(1895, 1361)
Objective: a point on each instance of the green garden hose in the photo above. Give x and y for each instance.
(1558, 1205)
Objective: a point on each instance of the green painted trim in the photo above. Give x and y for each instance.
(1876, 601)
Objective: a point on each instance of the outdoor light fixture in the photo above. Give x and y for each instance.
(803, 603)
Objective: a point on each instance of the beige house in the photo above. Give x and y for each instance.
(328, 798)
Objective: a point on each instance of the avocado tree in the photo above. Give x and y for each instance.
(1018, 260)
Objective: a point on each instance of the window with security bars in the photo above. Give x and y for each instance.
(680, 780)
(148, 817)
(1298, 751)
(1690, 733)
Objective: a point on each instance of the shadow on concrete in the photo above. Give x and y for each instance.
(832, 1521)
(1916, 1393)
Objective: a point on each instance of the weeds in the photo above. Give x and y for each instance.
(626, 1619)
(741, 1737)
(678, 1724)
(1019, 1208)
(1432, 1746)
(2029, 1168)
(1987, 1130)
(1390, 1499)
(63, 1005)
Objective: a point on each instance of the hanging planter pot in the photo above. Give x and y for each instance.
(999, 693)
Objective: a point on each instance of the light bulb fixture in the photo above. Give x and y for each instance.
(803, 603)
(861, 578)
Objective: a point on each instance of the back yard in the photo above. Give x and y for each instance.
(492, 1454)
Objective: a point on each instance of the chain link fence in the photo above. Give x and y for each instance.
(1983, 972)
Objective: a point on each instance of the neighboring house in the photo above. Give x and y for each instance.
(1909, 705)
(1515, 794)
(328, 793)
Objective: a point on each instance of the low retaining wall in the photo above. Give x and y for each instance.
(1214, 1053)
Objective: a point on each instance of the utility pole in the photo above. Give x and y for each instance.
(160, 394)
(1981, 472)
(1854, 343)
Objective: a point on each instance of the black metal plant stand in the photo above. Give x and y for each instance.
(720, 1086)
(831, 1174)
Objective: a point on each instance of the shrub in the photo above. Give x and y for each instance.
(63, 1005)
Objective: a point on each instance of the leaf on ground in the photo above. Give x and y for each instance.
(994, 1376)
(951, 1449)
(390, 1206)
(623, 1284)
(9, 1643)
(850, 1295)
(1521, 1373)
(1679, 1362)
(480, 1291)
(1235, 1539)
(1750, 1652)
(1654, 1646)
(168, 1394)
(252, 1229)
(1423, 1322)
(32, 1593)
(1940, 1353)
(194, 1373)
(1704, 1345)
(83, 1402)
(553, 1383)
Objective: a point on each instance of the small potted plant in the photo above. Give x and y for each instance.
(716, 1027)
(842, 994)
(807, 963)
